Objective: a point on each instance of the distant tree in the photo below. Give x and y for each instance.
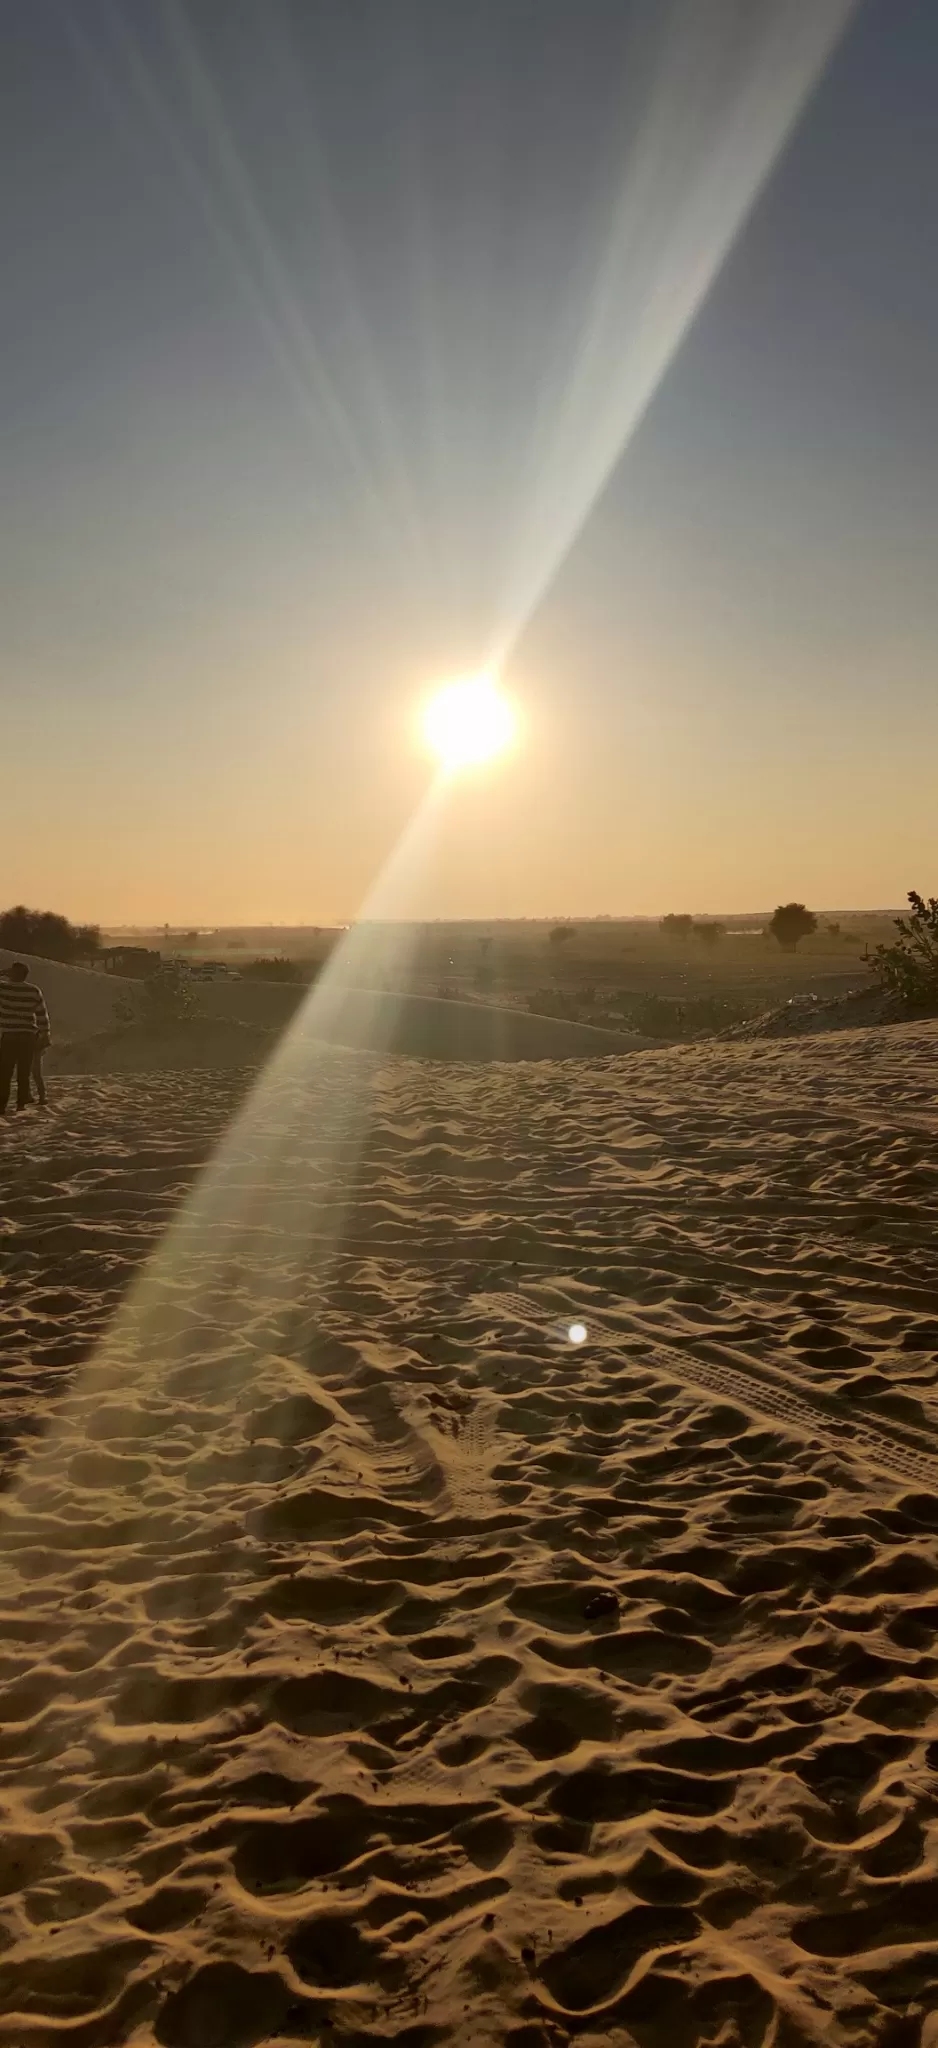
(791, 922)
(909, 969)
(47, 934)
(834, 931)
(561, 933)
(677, 925)
(710, 932)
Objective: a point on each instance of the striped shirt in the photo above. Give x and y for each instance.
(22, 1007)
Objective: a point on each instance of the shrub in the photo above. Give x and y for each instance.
(47, 934)
(677, 925)
(710, 932)
(682, 1017)
(790, 923)
(655, 1016)
(278, 968)
(909, 969)
(552, 1002)
(561, 933)
(170, 1000)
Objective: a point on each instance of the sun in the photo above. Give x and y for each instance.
(469, 722)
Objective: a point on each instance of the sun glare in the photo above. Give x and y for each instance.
(469, 722)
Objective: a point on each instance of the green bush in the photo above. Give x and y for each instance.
(909, 969)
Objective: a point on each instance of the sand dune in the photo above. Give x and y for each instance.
(81, 1000)
(377, 1666)
(84, 1005)
(239, 1022)
(434, 1027)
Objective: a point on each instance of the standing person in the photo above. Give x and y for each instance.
(41, 1045)
(23, 1019)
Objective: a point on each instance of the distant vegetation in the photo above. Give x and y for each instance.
(170, 1000)
(47, 934)
(655, 1016)
(277, 968)
(909, 968)
(792, 922)
(681, 926)
(561, 933)
(164, 1003)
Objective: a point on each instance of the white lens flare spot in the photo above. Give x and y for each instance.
(577, 1333)
(468, 723)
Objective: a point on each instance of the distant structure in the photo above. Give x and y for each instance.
(211, 970)
(136, 961)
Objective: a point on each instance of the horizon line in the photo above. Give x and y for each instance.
(181, 927)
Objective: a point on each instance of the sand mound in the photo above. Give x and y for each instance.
(421, 1027)
(801, 1015)
(213, 1043)
(377, 1666)
(431, 1027)
(81, 1000)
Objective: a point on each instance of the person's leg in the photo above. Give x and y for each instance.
(24, 1061)
(37, 1076)
(7, 1064)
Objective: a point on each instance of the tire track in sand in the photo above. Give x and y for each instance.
(759, 1387)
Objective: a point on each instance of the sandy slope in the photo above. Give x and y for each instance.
(377, 1666)
(236, 1028)
(80, 1000)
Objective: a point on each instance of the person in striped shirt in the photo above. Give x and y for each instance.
(24, 1023)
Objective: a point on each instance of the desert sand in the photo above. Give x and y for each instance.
(379, 1665)
(240, 1021)
(82, 1001)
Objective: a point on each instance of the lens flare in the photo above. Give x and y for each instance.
(468, 723)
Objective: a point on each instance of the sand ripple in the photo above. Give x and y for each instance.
(378, 1666)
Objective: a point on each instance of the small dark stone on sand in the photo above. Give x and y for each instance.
(600, 1604)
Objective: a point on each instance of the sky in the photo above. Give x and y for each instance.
(348, 345)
